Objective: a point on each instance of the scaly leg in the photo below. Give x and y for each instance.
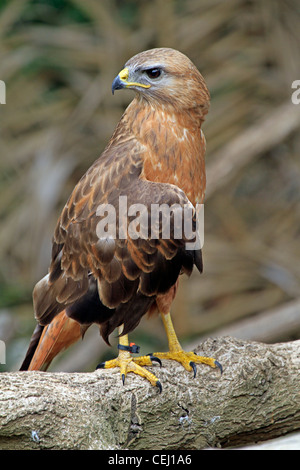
(187, 359)
(126, 363)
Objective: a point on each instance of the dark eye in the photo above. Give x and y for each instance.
(153, 73)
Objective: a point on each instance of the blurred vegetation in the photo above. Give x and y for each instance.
(58, 59)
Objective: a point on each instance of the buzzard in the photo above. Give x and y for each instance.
(109, 267)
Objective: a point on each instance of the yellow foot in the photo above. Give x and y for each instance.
(126, 363)
(188, 359)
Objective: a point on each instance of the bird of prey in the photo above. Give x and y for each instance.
(155, 158)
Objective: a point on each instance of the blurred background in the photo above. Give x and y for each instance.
(58, 59)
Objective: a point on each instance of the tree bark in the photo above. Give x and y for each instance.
(256, 398)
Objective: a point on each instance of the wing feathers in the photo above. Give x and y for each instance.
(125, 274)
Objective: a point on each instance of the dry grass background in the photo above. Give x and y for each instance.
(58, 59)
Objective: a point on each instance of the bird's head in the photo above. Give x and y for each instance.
(164, 76)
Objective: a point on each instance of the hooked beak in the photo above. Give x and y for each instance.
(121, 81)
(117, 84)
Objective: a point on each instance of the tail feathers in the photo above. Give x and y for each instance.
(47, 341)
(35, 338)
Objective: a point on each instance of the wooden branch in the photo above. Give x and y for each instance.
(256, 398)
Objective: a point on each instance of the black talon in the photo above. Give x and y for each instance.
(123, 379)
(158, 384)
(193, 365)
(101, 365)
(219, 366)
(154, 359)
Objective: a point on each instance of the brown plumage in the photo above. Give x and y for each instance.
(155, 156)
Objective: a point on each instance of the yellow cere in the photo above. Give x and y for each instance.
(124, 77)
(124, 74)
